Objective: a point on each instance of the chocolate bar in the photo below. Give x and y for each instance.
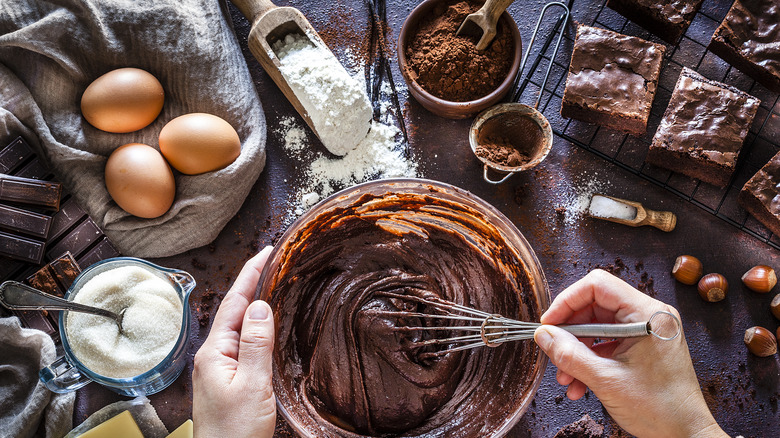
(21, 248)
(73, 240)
(23, 221)
(30, 191)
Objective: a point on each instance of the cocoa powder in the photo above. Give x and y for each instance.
(500, 151)
(450, 67)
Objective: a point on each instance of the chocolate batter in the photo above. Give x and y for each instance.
(344, 368)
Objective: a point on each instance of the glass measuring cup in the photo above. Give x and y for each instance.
(67, 373)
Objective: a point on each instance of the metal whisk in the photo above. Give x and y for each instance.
(491, 330)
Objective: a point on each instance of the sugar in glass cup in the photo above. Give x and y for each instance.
(520, 378)
(67, 373)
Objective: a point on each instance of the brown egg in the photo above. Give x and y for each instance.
(140, 181)
(198, 142)
(123, 100)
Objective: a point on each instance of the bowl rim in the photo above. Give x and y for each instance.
(493, 96)
(536, 278)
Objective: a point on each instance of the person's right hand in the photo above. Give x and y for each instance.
(646, 384)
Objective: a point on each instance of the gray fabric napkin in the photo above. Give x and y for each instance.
(51, 50)
(24, 400)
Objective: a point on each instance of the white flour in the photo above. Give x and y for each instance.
(335, 101)
(343, 104)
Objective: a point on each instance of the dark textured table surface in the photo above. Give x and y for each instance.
(741, 389)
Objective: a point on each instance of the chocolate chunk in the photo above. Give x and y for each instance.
(65, 269)
(103, 250)
(8, 266)
(65, 219)
(30, 191)
(36, 319)
(14, 155)
(23, 221)
(21, 248)
(34, 169)
(77, 240)
(43, 280)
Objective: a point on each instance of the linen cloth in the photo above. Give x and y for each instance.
(51, 50)
(24, 400)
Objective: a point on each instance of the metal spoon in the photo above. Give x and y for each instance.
(15, 295)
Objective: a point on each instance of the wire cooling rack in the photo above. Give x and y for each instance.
(628, 152)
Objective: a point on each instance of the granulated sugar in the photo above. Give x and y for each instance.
(335, 101)
(151, 323)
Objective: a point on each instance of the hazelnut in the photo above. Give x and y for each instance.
(713, 287)
(760, 279)
(687, 269)
(760, 341)
(775, 306)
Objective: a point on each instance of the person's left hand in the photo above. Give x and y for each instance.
(232, 391)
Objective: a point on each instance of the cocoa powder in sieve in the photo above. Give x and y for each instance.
(500, 151)
(450, 67)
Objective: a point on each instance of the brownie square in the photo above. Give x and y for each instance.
(669, 19)
(612, 79)
(761, 195)
(749, 39)
(703, 129)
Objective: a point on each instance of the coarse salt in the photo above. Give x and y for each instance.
(603, 207)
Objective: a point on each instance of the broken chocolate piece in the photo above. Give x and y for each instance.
(30, 191)
(23, 221)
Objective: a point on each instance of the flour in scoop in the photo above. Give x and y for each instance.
(335, 101)
(151, 323)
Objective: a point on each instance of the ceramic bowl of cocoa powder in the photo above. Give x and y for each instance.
(445, 73)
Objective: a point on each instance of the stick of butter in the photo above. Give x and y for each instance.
(120, 426)
(183, 431)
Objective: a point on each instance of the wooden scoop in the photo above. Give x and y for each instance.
(271, 23)
(663, 220)
(483, 22)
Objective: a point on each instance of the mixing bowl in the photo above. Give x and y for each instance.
(341, 370)
(445, 108)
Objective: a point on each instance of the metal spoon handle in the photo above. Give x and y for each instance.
(15, 295)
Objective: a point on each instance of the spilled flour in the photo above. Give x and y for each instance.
(361, 149)
(377, 156)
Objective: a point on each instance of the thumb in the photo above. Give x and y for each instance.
(255, 349)
(570, 355)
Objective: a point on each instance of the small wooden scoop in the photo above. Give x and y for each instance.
(663, 220)
(483, 22)
(271, 23)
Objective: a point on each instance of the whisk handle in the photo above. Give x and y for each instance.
(626, 330)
